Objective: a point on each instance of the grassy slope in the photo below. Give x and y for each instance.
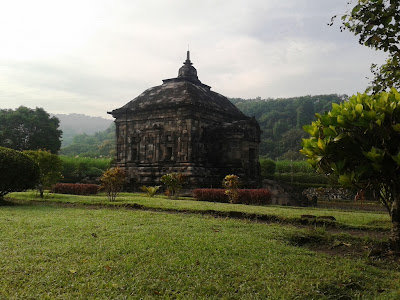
(75, 253)
(352, 219)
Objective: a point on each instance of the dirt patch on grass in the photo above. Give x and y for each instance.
(372, 245)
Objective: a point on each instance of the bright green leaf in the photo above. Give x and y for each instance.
(359, 108)
(396, 127)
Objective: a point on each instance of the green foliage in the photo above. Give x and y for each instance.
(300, 173)
(29, 129)
(112, 182)
(231, 185)
(377, 24)
(281, 121)
(76, 169)
(18, 172)
(268, 167)
(359, 142)
(150, 190)
(100, 144)
(287, 166)
(50, 168)
(173, 182)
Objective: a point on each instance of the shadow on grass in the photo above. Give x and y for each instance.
(4, 202)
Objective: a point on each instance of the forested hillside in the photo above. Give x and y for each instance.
(100, 144)
(281, 121)
(74, 124)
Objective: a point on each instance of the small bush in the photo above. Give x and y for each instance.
(231, 184)
(150, 190)
(112, 181)
(268, 167)
(252, 196)
(76, 189)
(173, 182)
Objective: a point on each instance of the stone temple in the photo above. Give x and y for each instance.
(182, 126)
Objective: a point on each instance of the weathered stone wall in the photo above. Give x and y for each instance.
(196, 144)
(286, 194)
(329, 194)
(183, 126)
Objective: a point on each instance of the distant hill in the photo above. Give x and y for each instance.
(282, 120)
(75, 124)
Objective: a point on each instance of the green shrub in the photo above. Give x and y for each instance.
(173, 182)
(18, 172)
(231, 185)
(287, 166)
(244, 196)
(78, 168)
(268, 167)
(302, 178)
(150, 190)
(300, 172)
(112, 181)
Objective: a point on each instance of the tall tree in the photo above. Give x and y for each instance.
(377, 24)
(29, 129)
(359, 141)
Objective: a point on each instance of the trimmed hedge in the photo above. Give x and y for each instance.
(211, 195)
(255, 196)
(299, 177)
(246, 196)
(76, 189)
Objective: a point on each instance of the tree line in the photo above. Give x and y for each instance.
(282, 121)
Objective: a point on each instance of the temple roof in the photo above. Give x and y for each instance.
(184, 90)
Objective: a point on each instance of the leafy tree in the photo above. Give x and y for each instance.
(29, 129)
(173, 182)
(50, 168)
(359, 141)
(18, 172)
(377, 24)
(281, 120)
(305, 112)
(112, 182)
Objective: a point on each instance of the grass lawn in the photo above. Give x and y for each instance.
(346, 219)
(79, 253)
(49, 251)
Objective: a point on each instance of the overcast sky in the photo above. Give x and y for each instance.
(90, 57)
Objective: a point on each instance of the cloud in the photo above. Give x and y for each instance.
(94, 56)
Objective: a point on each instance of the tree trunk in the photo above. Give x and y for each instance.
(395, 233)
(41, 193)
